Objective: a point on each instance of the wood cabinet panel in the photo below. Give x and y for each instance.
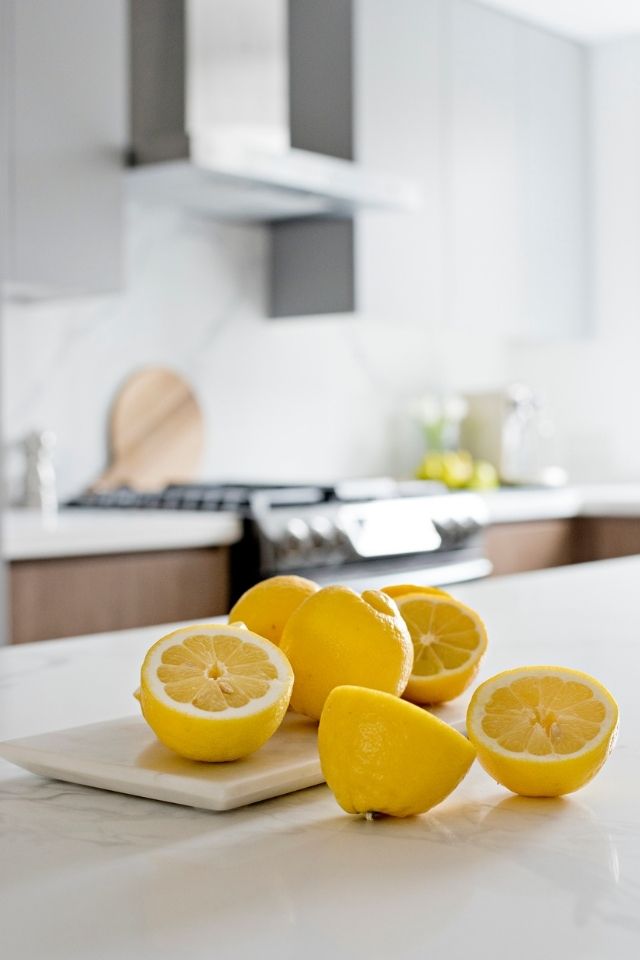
(538, 544)
(603, 538)
(535, 545)
(69, 596)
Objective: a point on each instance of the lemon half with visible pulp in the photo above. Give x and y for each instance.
(213, 691)
(380, 754)
(542, 731)
(449, 640)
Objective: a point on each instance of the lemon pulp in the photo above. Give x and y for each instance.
(215, 672)
(542, 731)
(449, 641)
(543, 715)
(214, 692)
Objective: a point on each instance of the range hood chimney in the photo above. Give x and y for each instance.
(245, 109)
(251, 94)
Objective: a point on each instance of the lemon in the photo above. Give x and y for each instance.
(542, 731)
(431, 467)
(449, 640)
(457, 468)
(454, 468)
(338, 637)
(401, 589)
(266, 607)
(214, 692)
(484, 476)
(380, 754)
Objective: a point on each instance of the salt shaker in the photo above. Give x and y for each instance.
(40, 490)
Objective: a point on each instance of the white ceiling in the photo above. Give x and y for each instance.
(589, 21)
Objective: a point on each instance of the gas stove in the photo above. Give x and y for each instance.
(363, 533)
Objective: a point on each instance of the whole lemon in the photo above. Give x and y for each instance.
(402, 589)
(339, 637)
(457, 468)
(484, 476)
(266, 607)
(380, 754)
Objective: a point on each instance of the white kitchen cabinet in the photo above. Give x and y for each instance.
(480, 167)
(552, 184)
(65, 73)
(514, 175)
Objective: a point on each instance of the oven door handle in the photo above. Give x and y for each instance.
(455, 572)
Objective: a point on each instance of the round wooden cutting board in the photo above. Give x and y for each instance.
(156, 432)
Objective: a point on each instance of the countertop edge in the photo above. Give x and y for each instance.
(76, 533)
(151, 532)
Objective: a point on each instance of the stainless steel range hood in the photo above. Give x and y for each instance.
(244, 109)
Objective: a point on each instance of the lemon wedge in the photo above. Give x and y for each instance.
(380, 754)
(542, 731)
(214, 692)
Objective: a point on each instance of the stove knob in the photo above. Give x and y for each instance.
(341, 539)
(297, 539)
(449, 530)
(280, 551)
(471, 526)
(323, 533)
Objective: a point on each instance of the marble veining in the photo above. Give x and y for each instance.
(485, 872)
(124, 755)
(273, 392)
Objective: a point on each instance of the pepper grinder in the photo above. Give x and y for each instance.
(40, 489)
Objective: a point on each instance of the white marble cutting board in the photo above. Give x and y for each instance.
(125, 756)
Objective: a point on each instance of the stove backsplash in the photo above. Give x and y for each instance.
(303, 398)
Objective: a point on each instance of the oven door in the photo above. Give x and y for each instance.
(437, 571)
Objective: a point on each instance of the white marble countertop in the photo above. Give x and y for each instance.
(96, 876)
(78, 533)
(84, 532)
(594, 500)
(514, 505)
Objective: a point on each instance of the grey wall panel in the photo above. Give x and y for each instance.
(321, 76)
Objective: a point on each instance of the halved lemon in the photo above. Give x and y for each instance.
(214, 691)
(542, 731)
(449, 640)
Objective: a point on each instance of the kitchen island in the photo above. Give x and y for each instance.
(90, 874)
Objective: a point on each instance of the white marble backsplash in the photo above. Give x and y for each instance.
(304, 398)
(281, 399)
